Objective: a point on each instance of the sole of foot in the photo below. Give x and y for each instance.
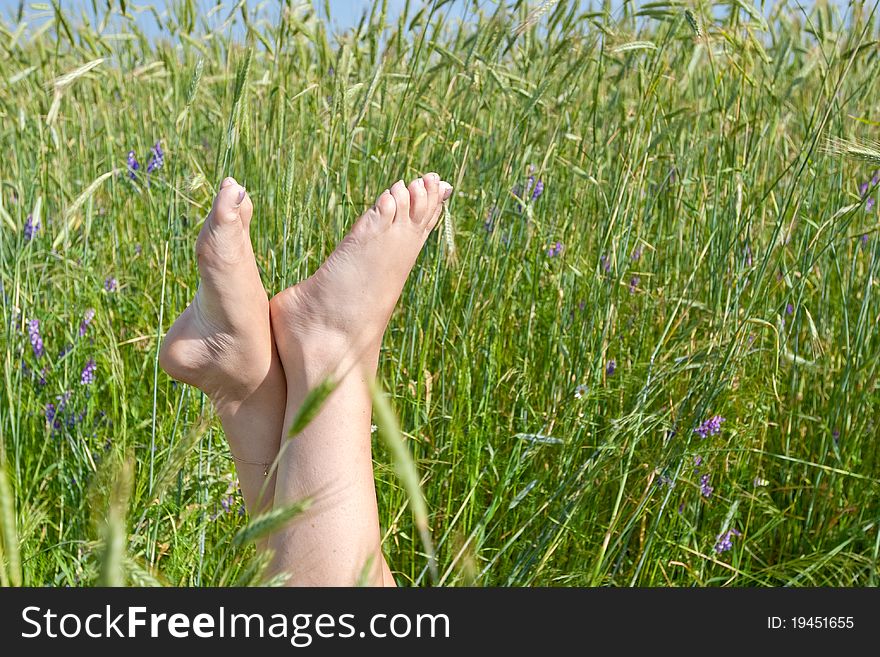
(222, 343)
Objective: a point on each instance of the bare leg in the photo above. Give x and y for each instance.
(222, 344)
(332, 325)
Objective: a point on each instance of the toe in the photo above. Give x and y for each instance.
(228, 203)
(444, 191)
(386, 207)
(228, 180)
(418, 201)
(401, 198)
(432, 186)
(246, 210)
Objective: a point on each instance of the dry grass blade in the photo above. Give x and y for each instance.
(270, 522)
(405, 466)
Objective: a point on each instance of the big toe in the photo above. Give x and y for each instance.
(401, 199)
(418, 200)
(231, 204)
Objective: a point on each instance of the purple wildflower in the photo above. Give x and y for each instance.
(705, 488)
(865, 240)
(111, 284)
(869, 204)
(698, 460)
(789, 309)
(50, 412)
(33, 329)
(606, 263)
(227, 503)
(133, 165)
(863, 189)
(555, 250)
(710, 427)
(748, 256)
(88, 374)
(637, 253)
(836, 435)
(137, 249)
(724, 542)
(88, 316)
(633, 283)
(539, 189)
(31, 228)
(612, 365)
(157, 158)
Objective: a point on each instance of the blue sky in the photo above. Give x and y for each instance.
(343, 13)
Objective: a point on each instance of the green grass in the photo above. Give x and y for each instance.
(705, 154)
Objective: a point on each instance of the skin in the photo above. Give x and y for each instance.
(256, 360)
(222, 344)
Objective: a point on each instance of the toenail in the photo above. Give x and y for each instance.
(447, 193)
(241, 192)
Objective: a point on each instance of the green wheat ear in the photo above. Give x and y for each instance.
(860, 151)
(693, 22)
(191, 93)
(534, 16)
(114, 535)
(449, 235)
(9, 549)
(311, 406)
(270, 522)
(177, 457)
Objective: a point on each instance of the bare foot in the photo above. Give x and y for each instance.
(222, 343)
(331, 324)
(339, 314)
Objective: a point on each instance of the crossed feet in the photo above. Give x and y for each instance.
(255, 357)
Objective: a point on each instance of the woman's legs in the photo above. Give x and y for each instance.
(222, 344)
(331, 325)
(328, 325)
